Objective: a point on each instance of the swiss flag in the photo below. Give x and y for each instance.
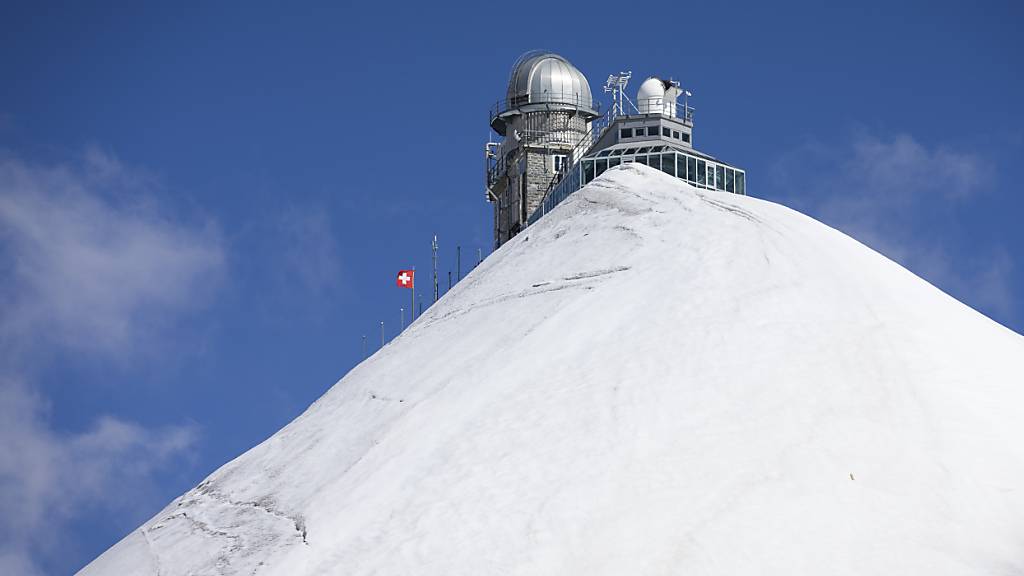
(405, 278)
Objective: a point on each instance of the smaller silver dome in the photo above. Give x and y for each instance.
(543, 80)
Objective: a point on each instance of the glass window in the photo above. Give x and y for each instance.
(720, 177)
(685, 137)
(614, 162)
(666, 132)
(691, 169)
(680, 166)
(702, 173)
(629, 150)
(588, 171)
(652, 130)
(668, 164)
(600, 167)
(643, 150)
(559, 163)
(654, 161)
(740, 184)
(617, 152)
(641, 159)
(675, 134)
(604, 153)
(730, 180)
(626, 133)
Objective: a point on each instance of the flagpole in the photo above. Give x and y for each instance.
(433, 247)
(412, 298)
(401, 312)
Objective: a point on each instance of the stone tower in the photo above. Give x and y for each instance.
(545, 115)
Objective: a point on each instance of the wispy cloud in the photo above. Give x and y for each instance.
(47, 478)
(89, 258)
(901, 198)
(93, 265)
(309, 249)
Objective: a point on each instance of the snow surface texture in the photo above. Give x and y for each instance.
(651, 380)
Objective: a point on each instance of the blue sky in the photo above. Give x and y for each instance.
(202, 207)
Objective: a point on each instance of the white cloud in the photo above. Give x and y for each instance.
(309, 249)
(16, 561)
(47, 478)
(89, 258)
(901, 197)
(92, 265)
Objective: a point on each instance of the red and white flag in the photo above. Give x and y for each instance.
(405, 278)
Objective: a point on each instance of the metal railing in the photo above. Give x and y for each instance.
(499, 160)
(658, 105)
(562, 99)
(564, 183)
(561, 182)
(554, 196)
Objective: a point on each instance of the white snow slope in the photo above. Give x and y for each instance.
(652, 380)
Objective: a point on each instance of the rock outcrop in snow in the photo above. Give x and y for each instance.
(651, 380)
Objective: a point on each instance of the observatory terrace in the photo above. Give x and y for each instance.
(654, 379)
(554, 141)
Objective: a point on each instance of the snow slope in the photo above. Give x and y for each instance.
(651, 380)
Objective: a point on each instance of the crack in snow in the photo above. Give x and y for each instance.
(731, 208)
(265, 504)
(152, 552)
(596, 273)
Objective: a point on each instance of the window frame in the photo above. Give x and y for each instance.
(558, 162)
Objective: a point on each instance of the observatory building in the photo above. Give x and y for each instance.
(555, 139)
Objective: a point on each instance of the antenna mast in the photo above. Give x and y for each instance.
(433, 246)
(617, 86)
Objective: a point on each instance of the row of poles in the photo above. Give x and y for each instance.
(437, 295)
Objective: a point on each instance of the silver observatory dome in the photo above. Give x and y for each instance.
(543, 80)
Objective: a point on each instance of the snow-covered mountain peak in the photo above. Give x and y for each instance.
(650, 380)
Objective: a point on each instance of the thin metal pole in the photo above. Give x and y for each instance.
(402, 312)
(412, 298)
(381, 333)
(449, 281)
(458, 259)
(421, 305)
(364, 345)
(479, 256)
(433, 247)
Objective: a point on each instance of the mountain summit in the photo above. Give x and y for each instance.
(651, 380)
